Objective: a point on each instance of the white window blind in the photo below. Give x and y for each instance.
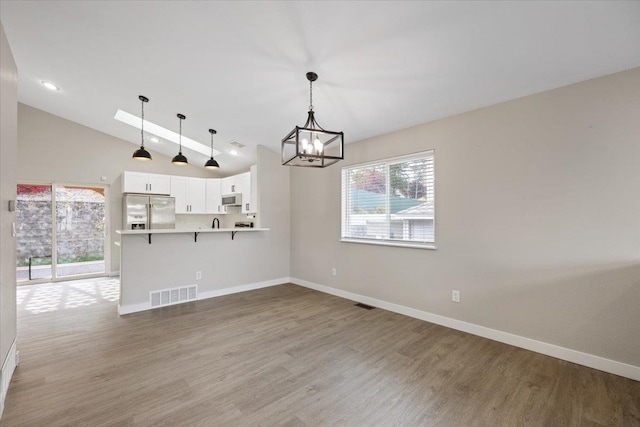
(390, 201)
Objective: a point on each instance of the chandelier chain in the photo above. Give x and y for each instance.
(310, 95)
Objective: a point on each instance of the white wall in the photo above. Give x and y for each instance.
(8, 144)
(51, 148)
(537, 220)
(171, 260)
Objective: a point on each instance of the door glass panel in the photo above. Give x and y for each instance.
(80, 230)
(33, 232)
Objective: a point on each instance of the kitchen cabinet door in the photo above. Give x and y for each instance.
(146, 183)
(134, 182)
(230, 185)
(159, 184)
(213, 203)
(179, 191)
(224, 186)
(189, 194)
(196, 194)
(244, 184)
(253, 206)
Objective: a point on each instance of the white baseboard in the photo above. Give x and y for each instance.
(8, 366)
(574, 356)
(115, 273)
(134, 308)
(243, 288)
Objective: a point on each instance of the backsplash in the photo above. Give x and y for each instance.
(205, 220)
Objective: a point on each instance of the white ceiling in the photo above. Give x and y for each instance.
(239, 67)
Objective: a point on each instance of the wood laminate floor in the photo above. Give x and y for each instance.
(285, 356)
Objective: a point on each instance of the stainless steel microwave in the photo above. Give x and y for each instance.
(233, 199)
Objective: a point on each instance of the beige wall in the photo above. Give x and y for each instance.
(51, 148)
(8, 143)
(537, 220)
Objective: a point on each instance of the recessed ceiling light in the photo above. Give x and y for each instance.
(154, 139)
(163, 133)
(237, 147)
(49, 85)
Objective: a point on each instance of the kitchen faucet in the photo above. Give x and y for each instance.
(215, 221)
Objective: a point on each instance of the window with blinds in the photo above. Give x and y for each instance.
(390, 201)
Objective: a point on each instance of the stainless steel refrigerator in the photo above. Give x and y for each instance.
(148, 212)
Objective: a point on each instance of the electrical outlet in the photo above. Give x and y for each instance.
(455, 296)
(198, 275)
(334, 272)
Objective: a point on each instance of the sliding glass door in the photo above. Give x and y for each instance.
(80, 230)
(61, 232)
(34, 237)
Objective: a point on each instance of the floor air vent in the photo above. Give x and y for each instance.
(365, 306)
(173, 296)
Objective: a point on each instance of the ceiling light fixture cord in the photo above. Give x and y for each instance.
(211, 144)
(180, 137)
(310, 95)
(142, 126)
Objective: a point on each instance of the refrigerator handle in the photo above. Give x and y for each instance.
(149, 219)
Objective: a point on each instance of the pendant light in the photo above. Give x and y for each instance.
(310, 145)
(179, 159)
(211, 163)
(141, 153)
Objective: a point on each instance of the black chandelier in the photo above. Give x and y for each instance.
(310, 145)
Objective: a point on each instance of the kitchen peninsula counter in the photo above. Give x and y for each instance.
(194, 263)
(188, 230)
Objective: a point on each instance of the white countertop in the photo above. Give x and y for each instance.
(189, 230)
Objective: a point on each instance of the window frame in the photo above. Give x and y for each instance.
(386, 162)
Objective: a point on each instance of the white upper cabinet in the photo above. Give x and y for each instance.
(159, 184)
(197, 195)
(225, 185)
(145, 183)
(134, 182)
(230, 184)
(244, 183)
(179, 191)
(253, 199)
(189, 194)
(213, 199)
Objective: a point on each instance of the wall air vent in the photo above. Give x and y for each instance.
(173, 296)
